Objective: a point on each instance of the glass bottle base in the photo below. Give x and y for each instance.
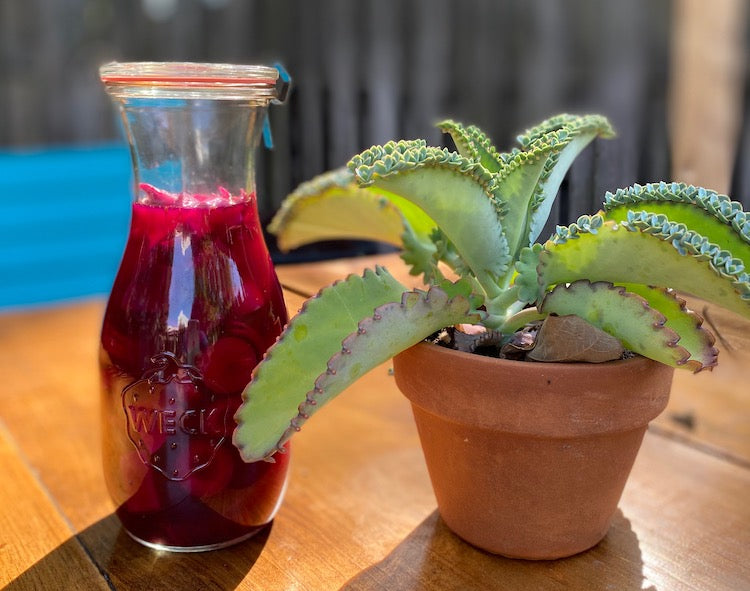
(205, 548)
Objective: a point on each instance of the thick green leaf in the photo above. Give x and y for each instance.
(518, 183)
(687, 324)
(337, 338)
(452, 190)
(332, 206)
(556, 168)
(565, 121)
(392, 328)
(531, 177)
(472, 143)
(281, 381)
(606, 251)
(712, 215)
(628, 317)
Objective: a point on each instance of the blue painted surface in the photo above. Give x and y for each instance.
(63, 223)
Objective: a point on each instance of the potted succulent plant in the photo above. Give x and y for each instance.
(527, 459)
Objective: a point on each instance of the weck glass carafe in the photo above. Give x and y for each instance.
(194, 305)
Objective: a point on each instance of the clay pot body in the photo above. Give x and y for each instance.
(529, 460)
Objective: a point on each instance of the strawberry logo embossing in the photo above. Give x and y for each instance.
(173, 420)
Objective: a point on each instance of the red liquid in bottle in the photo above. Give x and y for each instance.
(194, 306)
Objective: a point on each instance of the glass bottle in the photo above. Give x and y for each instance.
(194, 305)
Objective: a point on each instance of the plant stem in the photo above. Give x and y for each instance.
(501, 307)
(521, 319)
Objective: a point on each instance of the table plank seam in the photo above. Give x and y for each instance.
(701, 446)
(11, 441)
(296, 291)
(15, 445)
(99, 568)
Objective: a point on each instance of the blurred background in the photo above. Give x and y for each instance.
(672, 76)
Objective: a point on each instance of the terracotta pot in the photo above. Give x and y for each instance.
(529, 460)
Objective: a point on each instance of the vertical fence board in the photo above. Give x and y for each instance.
(383, 66)
(430, 41)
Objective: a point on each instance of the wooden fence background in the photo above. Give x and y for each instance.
(366, 71)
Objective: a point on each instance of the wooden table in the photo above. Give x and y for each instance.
(359, 512)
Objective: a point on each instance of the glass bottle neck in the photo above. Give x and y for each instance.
(192, 150)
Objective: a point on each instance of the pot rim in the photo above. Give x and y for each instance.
(560, 400)
(584, 366)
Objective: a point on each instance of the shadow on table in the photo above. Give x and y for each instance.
(126, 565)
(433, 558)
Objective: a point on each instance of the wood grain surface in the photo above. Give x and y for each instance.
(359, 511)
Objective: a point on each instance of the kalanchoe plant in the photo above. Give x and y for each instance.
(468, 222)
